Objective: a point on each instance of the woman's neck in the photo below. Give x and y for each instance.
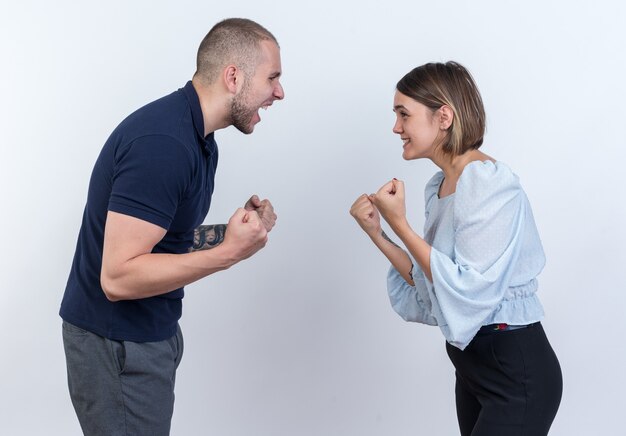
(452, 167)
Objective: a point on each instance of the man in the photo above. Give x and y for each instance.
(150, 189)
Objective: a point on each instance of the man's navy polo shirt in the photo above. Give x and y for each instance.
(156, 166)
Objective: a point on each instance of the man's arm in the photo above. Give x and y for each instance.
(209, 236)
(206, 237)
(131, 271)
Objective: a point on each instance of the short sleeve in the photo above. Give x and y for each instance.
(488, 224)
(151, 176)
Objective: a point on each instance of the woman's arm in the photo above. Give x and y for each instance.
(367, 216)
(389, 200)
(396, 255)
(408, 294)
(419, 249)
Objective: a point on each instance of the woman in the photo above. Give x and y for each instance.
(473, 273)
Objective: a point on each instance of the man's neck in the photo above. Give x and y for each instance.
(214, 105)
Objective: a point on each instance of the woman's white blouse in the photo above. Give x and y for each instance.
(486, 255)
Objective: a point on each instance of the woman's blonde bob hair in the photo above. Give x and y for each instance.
(450, 84)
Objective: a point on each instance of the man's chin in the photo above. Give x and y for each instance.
(245, 129)
(245, 122)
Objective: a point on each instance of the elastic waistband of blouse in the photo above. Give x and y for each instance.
(502, 327)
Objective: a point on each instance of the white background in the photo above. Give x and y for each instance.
(301, 339)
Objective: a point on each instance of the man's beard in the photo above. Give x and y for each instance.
(240, 113)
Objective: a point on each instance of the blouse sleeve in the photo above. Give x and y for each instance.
(412, 303)
(489, 210)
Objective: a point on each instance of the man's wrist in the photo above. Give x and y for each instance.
(207, 237)
(224, 256)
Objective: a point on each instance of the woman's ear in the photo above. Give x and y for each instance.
(446, 116)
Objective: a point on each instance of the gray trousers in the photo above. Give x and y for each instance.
(121, 387)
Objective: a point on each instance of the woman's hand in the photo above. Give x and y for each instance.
(389, 200)
(366, 215)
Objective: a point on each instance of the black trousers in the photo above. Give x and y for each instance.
(508, 383)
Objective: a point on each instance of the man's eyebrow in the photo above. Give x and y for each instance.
(275, 75)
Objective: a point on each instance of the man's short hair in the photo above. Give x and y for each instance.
(231, 41)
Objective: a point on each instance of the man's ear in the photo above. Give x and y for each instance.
(232, 78)
(446, 116)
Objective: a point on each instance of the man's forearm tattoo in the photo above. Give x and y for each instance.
(384, 235)
(206, 237)
(386, 238)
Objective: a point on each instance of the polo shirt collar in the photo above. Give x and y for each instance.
(207, 142)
